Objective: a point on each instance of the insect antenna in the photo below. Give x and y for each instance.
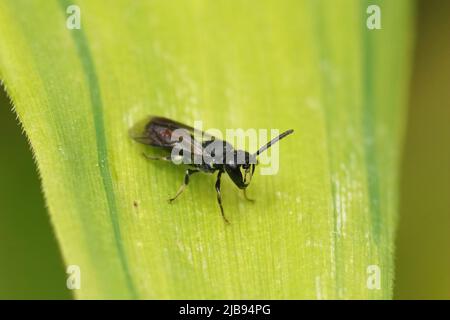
(273, 141)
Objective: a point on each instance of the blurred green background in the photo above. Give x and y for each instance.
(31, 265)
(423, 253)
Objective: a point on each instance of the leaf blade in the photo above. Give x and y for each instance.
(305, 237)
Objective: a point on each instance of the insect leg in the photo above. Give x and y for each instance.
(219, 197)
(166, 158)
(189, 172)
(247, 198)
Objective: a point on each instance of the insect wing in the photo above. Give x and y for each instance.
(172, 133)
(169, 134)
(154, 133)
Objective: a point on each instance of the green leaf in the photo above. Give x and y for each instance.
(24, 274)
(312, 66)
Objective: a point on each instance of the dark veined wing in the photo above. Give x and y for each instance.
(174, 125)
(165, 133)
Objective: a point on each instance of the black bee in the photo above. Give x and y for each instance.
(206, 154)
